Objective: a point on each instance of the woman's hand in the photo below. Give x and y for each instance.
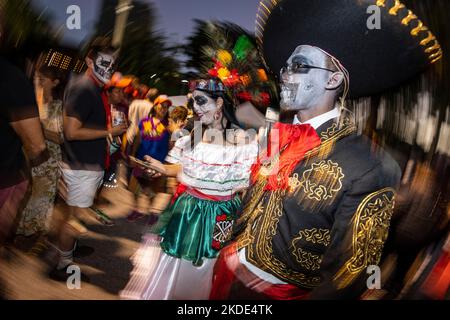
(154, 168)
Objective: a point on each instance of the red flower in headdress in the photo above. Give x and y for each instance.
(244, 96)
(218, 64)
(213, 72)
(232, 79)
(264, 98)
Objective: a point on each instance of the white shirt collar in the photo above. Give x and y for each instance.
(320, 119)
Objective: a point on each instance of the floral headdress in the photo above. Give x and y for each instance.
(239, 68)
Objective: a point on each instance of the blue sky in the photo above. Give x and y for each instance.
(174, 16)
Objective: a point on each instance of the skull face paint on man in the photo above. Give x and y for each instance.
(104, 67)
(304, 79)
(205, 107)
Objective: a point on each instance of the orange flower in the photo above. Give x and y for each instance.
(262, 75)
(245, 79)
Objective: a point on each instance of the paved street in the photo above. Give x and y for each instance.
(107, 265)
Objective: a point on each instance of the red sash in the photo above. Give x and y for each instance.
(182, 188)
(227, 268)
(293, 142)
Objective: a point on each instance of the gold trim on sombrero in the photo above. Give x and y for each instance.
(397, 6)
(263, 13)
(411, 16)
(434, 50)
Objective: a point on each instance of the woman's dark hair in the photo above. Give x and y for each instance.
(227, 109)
(54, 73)
(228, 114)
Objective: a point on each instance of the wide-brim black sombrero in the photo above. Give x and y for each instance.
(377, 59)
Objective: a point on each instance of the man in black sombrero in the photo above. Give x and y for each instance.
(317, 215)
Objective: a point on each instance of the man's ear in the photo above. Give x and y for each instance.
(335, 81)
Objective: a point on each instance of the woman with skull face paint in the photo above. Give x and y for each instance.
(179, 252)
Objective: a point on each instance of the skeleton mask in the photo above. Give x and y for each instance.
(304, 78)
(104, 67)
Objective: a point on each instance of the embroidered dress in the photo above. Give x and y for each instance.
(179, 252)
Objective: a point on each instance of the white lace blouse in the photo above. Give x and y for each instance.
(212, 168)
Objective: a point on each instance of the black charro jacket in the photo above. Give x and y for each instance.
(331, 224)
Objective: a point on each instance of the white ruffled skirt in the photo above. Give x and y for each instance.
(158, 276)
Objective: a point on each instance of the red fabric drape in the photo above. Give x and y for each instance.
(293, 141)
(225, 275)
(438, 282)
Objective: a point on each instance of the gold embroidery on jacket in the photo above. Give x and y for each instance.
(369, 232)
(307, 259)
(331, 131)
(319, 184)
(261, 255)
(262, 225)
(327, 145)
(314, 235)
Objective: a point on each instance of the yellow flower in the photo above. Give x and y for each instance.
(223, 73)
(224, 56)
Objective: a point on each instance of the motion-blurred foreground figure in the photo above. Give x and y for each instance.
(319, 210)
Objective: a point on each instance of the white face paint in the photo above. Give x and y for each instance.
(288, 93)
(304, 79)
(104, 67)
(205, 107)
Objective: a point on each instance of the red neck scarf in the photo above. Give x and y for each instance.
(293, 142)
